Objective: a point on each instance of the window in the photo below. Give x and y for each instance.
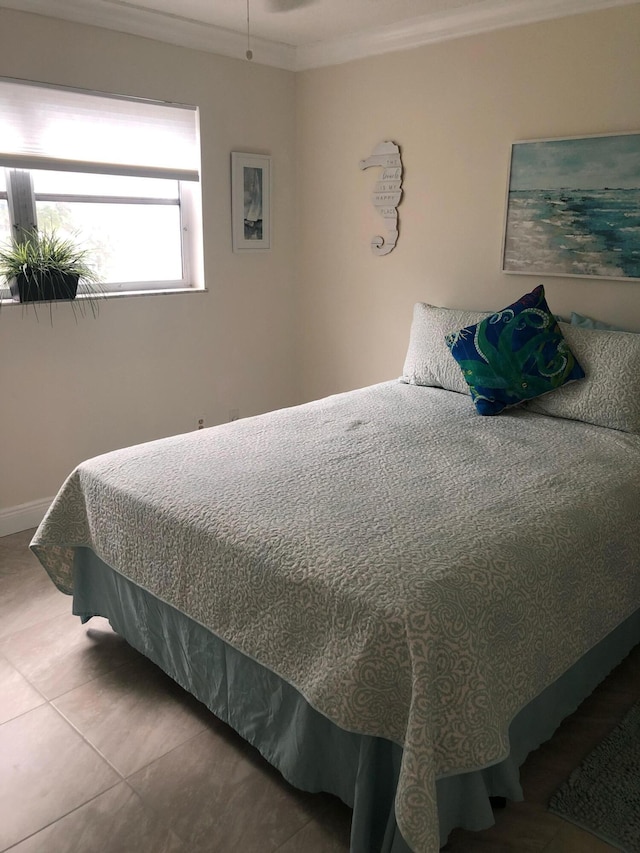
(133, 226)
(117, 174)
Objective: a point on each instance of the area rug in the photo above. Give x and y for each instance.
(602, 795)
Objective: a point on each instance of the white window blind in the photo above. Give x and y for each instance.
(62, 129)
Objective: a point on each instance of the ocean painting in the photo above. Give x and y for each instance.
(573, 207)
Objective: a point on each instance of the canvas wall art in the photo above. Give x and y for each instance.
(573, 207)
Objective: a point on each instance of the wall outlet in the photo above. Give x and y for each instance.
(234, 414)
(200, 423)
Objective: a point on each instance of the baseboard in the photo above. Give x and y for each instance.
(22, 517)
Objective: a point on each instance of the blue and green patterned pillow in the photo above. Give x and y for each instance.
(514, 355)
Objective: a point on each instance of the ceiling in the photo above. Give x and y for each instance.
(299, 34)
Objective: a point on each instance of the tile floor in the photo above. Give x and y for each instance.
(100, 751)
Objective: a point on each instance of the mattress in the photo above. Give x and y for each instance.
(417, 573)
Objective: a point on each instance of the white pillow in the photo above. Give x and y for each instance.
(429, 360)
(609, 396)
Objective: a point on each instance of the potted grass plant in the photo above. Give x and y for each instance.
(42, 266)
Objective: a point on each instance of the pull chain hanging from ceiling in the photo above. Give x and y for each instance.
(249, 53)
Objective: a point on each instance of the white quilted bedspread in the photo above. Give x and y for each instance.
(417, 571)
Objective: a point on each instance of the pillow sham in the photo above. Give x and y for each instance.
(610, 395)
(589, 323)
(514, 355)
(428, 360)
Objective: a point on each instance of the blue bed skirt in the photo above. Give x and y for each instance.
(310, 751)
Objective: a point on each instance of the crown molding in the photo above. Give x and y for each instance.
(428, 29)
(135, 19)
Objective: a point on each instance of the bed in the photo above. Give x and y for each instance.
(393, 598)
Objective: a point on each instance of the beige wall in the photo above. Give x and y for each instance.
(150, 366)
(454, 108)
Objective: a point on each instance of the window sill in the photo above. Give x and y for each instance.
(161, 291)
(111, 294)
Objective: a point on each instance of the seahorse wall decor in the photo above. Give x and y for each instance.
(387, 193)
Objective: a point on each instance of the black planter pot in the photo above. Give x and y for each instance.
(43, 288)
